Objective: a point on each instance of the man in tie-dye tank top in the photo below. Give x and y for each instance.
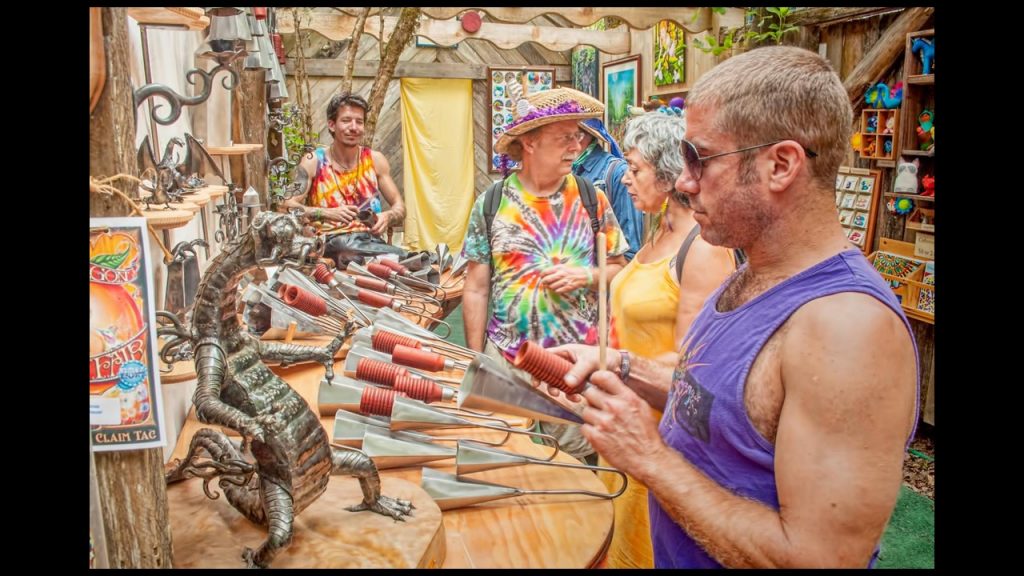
(537, 269)
(340, 187)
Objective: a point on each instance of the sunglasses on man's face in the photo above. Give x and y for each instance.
(694, 162)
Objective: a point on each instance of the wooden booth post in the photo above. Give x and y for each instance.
(132, 492)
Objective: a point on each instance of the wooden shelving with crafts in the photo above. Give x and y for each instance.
(911, 277)
(918, 96)
(917, 144)
(879, 128)
(857, 204)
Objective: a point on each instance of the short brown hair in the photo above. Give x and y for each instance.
(780, 93)
(346, 99)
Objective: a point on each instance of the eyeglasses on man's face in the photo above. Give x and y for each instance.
(694, 162)
(568, 138)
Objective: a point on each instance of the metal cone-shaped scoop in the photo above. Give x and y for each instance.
(472, 457)
(449, 492)
(397, 450)
(349, 428)
(339, 396)
(488, 386)
(408, 414)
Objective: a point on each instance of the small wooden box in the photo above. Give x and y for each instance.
(878, 131)
(913, 282)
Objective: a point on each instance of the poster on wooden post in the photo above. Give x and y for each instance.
(125, 408)
(532, 79)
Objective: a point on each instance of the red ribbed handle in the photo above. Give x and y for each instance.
(384, 341)
(375, 299)
(378, 372)
(407, 356)
(371, 283)
(394, 266)
(543, 365)
(377, 401)
(305, 301)
(379, 270)
(322, 274)
(419, 389)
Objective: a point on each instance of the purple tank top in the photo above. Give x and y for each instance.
(705, 418)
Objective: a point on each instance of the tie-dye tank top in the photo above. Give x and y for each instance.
(530, 234)
(355, 187)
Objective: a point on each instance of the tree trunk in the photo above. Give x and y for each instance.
(353, 47)
(132, 491)
(249, 126)
(883, 54)
(112, 123)
(404, 30)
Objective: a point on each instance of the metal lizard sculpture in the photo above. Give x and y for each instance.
(293, 458)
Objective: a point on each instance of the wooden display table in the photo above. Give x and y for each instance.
(212, 534)
(533, 531)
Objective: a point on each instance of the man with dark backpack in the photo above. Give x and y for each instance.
(532, 273)
(605, 168)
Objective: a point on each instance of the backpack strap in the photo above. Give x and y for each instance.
(608, 176)
(681, 255)
(492, 200)
(589, 198)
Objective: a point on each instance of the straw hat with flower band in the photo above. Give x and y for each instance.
(542, 108)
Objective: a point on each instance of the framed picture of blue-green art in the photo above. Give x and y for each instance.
(620, 86)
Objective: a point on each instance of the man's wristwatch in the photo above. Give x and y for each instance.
(624, 364)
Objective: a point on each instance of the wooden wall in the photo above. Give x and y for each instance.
(469, 59)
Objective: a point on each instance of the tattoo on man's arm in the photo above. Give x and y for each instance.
(302, 178)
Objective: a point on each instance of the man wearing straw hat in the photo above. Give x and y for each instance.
(535, 263)
(605, 169)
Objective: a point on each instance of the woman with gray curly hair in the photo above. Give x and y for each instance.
(654, 298)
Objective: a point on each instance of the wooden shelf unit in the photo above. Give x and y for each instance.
(911, 196)
(918, 95)
(873, 146)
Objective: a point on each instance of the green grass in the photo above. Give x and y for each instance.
(909, 539)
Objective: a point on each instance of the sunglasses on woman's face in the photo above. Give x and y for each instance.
(694, 162)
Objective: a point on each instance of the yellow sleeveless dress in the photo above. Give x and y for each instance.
(644, 301)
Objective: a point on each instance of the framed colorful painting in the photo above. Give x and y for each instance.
(620, 85)
(669, 54)
(532, 79)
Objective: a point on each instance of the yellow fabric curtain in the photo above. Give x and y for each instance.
(437, 139)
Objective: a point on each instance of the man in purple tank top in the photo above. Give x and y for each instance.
(786, 421)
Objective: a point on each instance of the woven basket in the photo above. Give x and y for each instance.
(591, 108)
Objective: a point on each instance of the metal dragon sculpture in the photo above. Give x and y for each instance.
(291, 456)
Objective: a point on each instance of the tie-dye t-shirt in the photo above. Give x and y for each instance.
(531, 234)
(356, 187)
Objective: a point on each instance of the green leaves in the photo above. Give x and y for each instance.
(112, 261)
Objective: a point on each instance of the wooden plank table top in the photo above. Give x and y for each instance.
(531, 531)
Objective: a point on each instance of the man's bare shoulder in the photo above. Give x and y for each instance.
(849, 343)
